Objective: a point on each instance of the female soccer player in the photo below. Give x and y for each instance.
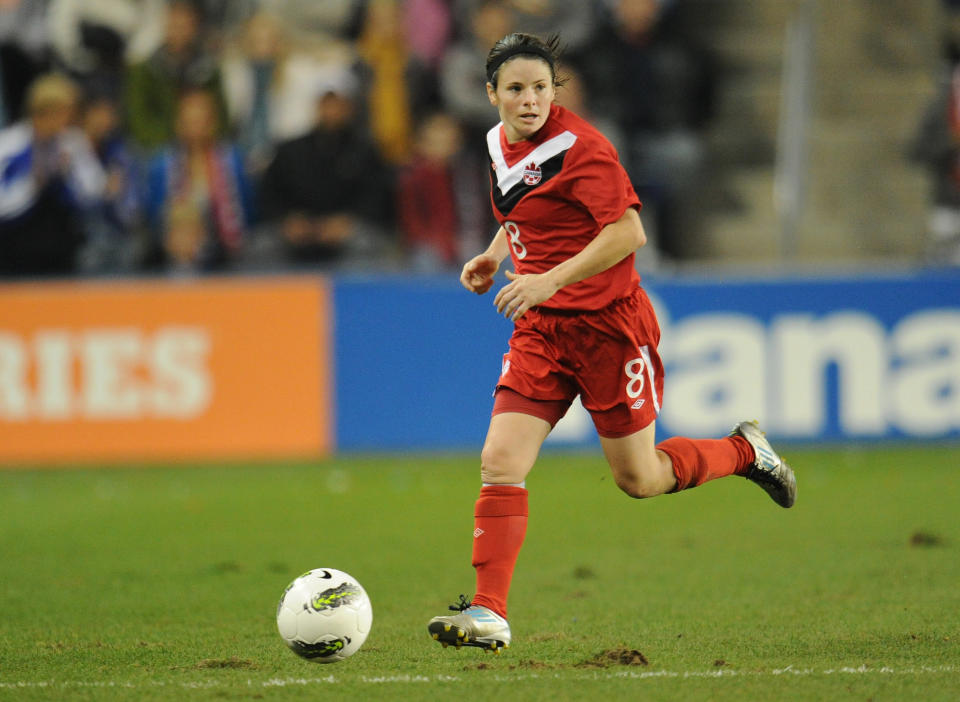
(582, 325)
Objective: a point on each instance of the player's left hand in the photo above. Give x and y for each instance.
(522, 293)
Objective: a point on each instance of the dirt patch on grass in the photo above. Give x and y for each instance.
(547, 636)
(224, 567)
(925, 538)
(528, 664)
(583, 573)
(616, 656)
(232, 662)
(531, 665)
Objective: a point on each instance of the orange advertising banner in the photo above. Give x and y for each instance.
(164, 370)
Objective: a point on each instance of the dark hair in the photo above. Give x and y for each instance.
(529, 46)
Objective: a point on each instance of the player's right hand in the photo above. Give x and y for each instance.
(478, 272)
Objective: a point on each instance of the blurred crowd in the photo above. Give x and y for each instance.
(179, 137)
(936, 146)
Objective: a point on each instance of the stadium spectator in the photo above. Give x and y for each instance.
(94, 40)
(936, 146)
(462, 81)
(659, 87)
(198, 200)
(328, 194)
(573, 95)
(383, 49)
(154, 86)
(319, 23)
(113, 244)
(269, 87)
(576, 22)
(428, 27)
(24, 53)
(49, 178)
(223, 19)
(432, 218)
(462, 78)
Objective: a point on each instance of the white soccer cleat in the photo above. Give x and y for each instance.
(473, 625)
(768, 470)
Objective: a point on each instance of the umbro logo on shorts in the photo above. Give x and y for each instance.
(477, 533)
(638, 404)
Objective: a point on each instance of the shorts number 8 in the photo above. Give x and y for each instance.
(634, 370)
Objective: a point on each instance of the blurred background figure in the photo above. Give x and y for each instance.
(434, 220)
(936, 146)
(463, 79)
(224, 19)
(24, 53)
(49, 179)
(393, 73)
(269, 85)
(198, 200)
(181, 63)
(328, 194)
(113, 242)
(658, 86)
(699, 129)
(575, 22)
(429, 29)
(575, 96)
(319, 23)
(401, 45)
(93, 40)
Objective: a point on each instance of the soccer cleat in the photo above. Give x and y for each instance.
(768, 470)
(473, 625)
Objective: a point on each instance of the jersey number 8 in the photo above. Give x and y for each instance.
(514, 232)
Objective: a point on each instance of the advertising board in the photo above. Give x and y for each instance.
(212, 368)
(824, 358)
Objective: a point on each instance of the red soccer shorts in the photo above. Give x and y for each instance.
(608, 356)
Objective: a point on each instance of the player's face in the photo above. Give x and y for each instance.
(523, 96)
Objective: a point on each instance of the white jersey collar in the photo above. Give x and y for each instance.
(508, 176)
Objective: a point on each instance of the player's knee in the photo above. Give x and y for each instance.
(500, 467)
(636, 486)
(639, 472)
(641, 478)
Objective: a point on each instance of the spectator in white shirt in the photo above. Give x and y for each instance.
(49, 177)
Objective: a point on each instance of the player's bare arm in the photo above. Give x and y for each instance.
(611, 245)
(478, 272)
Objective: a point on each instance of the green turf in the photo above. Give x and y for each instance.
(161, 583)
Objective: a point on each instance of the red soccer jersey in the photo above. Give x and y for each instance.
(553, 194)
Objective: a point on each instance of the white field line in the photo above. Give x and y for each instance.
(499, 677)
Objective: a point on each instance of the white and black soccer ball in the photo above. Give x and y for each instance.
(324, 615)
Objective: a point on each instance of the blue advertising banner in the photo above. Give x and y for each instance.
(822, 359)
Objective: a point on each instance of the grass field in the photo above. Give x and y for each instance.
(162, 583)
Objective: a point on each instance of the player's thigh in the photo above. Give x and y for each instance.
(638, 468)
(511, 448)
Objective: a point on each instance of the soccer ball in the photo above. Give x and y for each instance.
(324, 615)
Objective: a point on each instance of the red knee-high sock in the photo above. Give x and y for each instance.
(695, 461)
(500, 521)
